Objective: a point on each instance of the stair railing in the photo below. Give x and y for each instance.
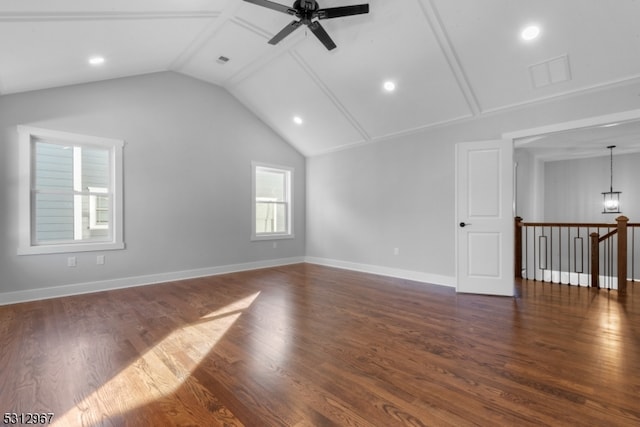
(577, 253)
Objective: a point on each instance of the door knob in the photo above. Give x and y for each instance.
(464, 224)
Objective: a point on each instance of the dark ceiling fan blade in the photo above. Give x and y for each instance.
(285, 32)
(322, 35)
(275, 6)
(336, 12)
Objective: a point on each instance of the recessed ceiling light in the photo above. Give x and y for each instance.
(530, 33)
(297, 120)
(389, 86)
(96, 60)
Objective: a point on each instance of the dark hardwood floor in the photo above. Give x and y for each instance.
(305, 345)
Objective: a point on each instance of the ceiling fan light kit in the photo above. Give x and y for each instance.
(308, 13)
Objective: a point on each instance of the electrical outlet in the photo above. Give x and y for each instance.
(71, 261)
(100, 259)
(396, 251)
(275, 245)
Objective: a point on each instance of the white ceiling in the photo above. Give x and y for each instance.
(450, 59)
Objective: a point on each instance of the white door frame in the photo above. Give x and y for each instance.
(619, 117)
(593, 121)
(523, 137)
(624, 116)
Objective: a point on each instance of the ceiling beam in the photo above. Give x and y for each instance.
(52, 16)
(449, 53)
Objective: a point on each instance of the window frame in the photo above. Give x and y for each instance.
(289, 174)
(28, 135)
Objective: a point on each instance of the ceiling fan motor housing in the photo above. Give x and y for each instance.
(311, 5)
(305, 10)
(309, 13)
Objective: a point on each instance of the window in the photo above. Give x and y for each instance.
(70, 192)
(271, 202)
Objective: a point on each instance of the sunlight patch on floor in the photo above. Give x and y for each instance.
(611, 351)
(160, 371)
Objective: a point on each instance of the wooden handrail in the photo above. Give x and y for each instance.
(569, 224)
(608, 235)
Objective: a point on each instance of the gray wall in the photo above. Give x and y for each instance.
(366, 201)
(187, 181)
(529, 186)
(187, 177)
(573, 188)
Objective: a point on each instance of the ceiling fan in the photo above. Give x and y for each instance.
(306, 11)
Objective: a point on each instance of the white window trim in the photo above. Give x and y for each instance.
(271, 236)
(25, 231)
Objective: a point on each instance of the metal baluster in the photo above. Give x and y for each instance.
(609, 263)
(569, 256)
(606, 263)
(526, 252)
(589, 248)
(578, 241)
(543, 245)
(633, 256)
(551, 254)
(560, 255)
(535, 259)
(610, 240)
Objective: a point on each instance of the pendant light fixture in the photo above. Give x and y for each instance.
(611, 198)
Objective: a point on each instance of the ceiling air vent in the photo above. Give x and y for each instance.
(550, 72)
(222, 60)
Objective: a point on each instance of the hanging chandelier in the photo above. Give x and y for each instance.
(611, 198)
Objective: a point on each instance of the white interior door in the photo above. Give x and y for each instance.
(485, 217)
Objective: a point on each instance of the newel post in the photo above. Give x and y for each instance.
(622, 254)
(595, 260)
(518, 247)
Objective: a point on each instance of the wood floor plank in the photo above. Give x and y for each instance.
(305, 345)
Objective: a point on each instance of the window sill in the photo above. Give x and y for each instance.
(68, 248)
(272, 237)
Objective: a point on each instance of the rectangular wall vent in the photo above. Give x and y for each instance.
(552, 71)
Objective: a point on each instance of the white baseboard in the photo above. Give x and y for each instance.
(417, 276)
(150, 279)
(129, 282)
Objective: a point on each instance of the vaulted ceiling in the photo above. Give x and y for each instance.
(450, 59)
